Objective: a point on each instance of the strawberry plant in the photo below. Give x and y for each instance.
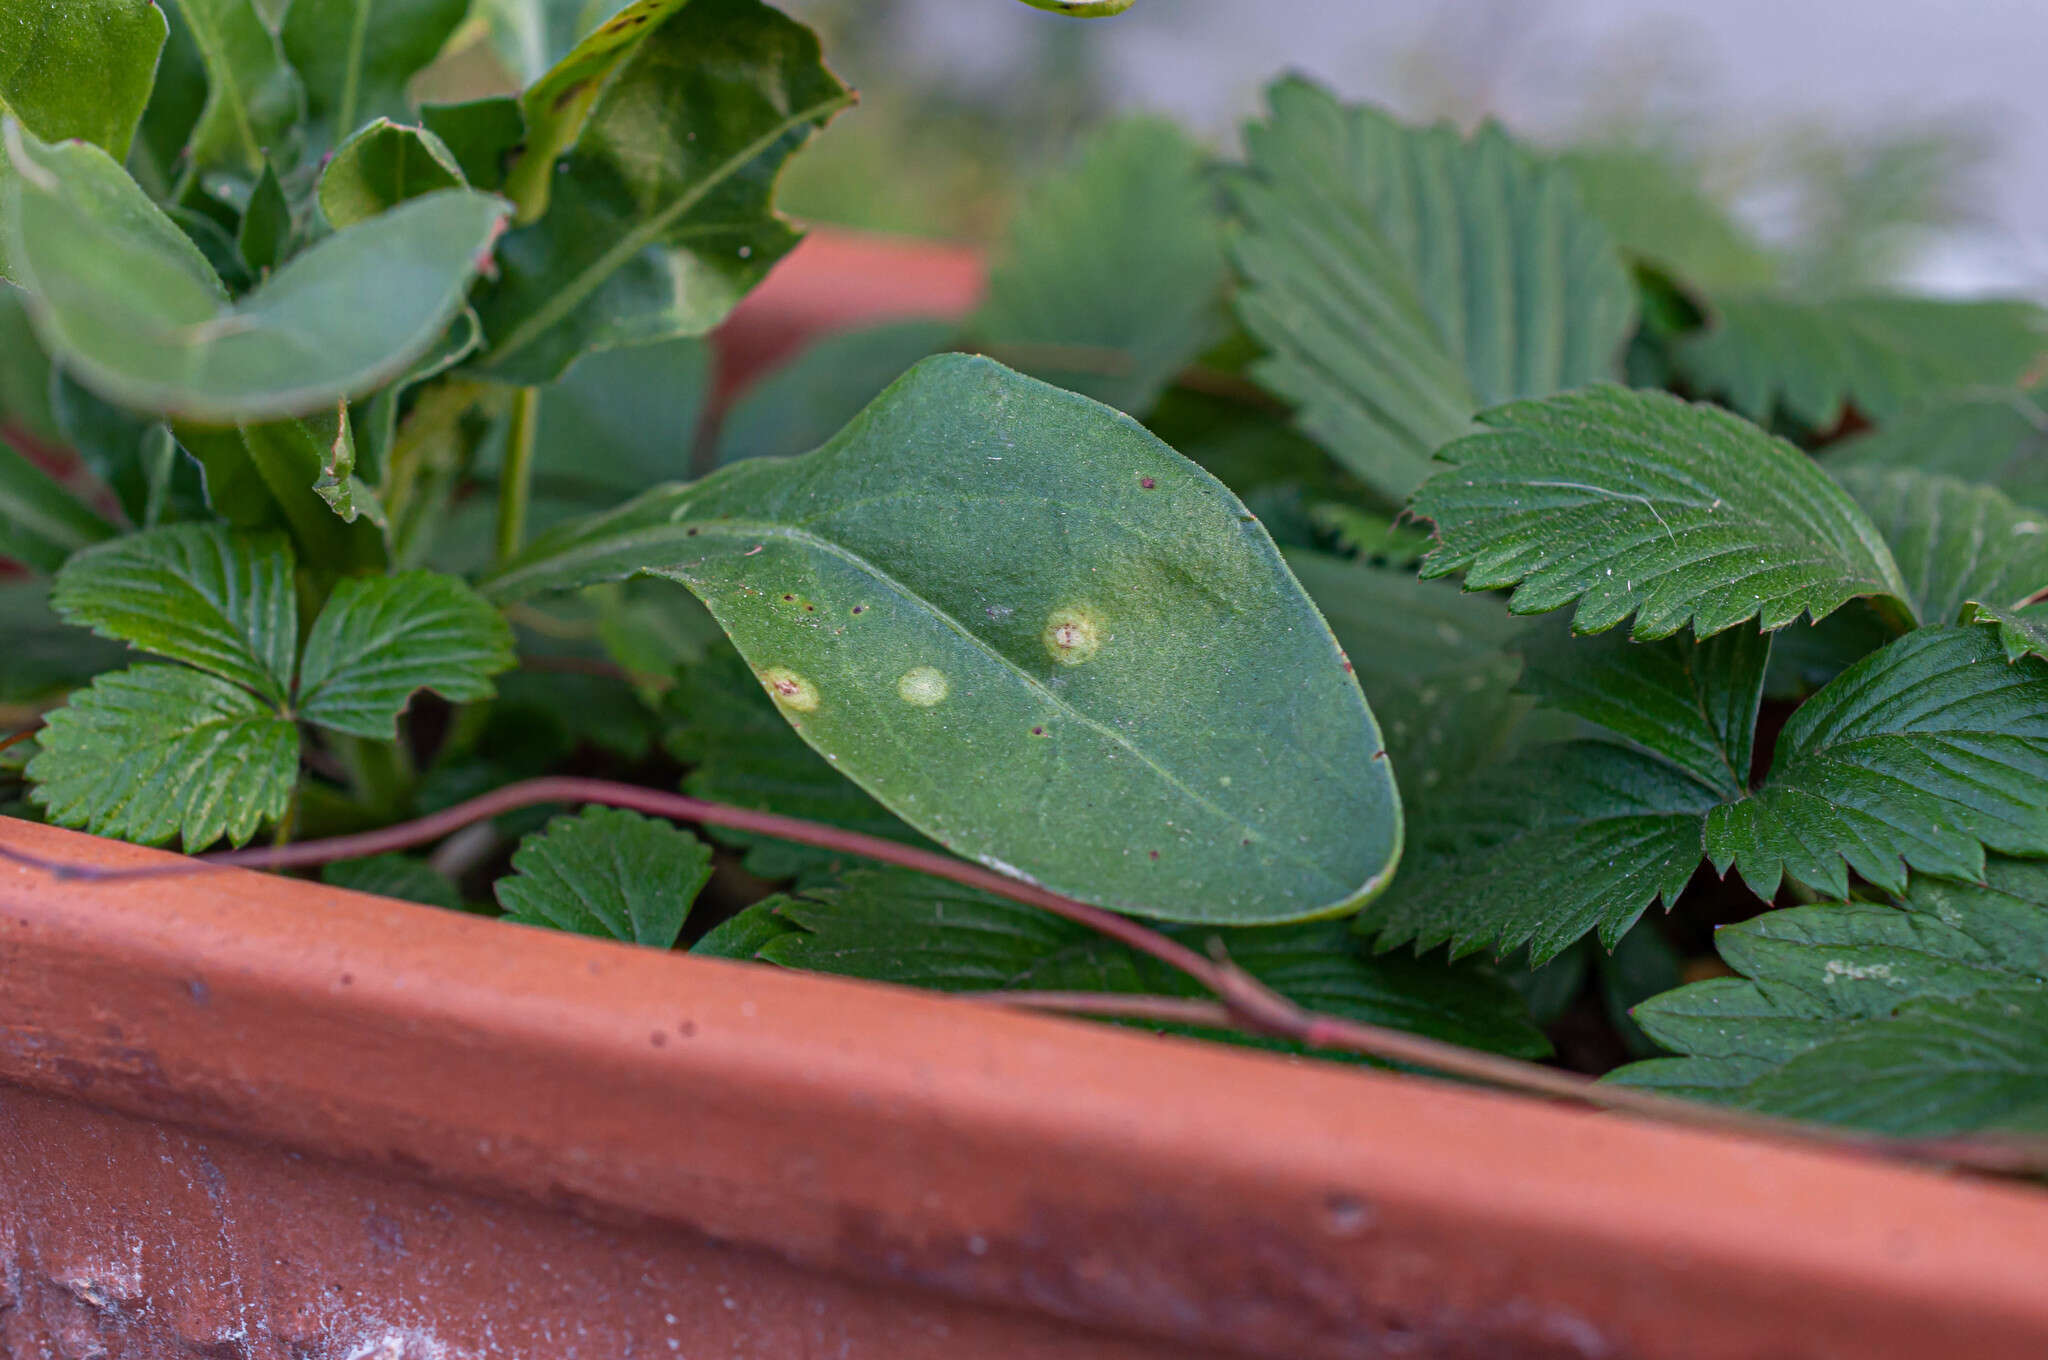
(1394, 593)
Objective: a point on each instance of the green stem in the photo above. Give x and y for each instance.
(515, 483)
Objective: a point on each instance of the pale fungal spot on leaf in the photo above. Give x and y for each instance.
(1072, 635)
(924, 686)
(790, 689)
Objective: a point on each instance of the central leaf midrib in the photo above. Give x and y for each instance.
(578, 289)
(748, 529)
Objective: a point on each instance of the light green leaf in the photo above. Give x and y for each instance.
(2020, 631)
(1694, 703)
(80, 68)
(381, 639)
(609, 873)
(1082, 9)
(1657, 212)
(482, 134)
(556, 105)
(1088, 673)
(253, 96)
(381, 167)
(905, 928)
(1919, 756)
(1955, 542)
(1403, 279)
(1114, 271)
(41, 523)
(399, 876)
(741, 752)
(135, 311)
(1813, 360)
(1850, 1012)
(356, 56)
(806, 401)
(1569, 838)
(1998, 437)
(345, 493)
(154, 752)
(199, 593)
(1639, 503)
(661, 217)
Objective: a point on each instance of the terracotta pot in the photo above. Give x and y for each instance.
(247, 1116)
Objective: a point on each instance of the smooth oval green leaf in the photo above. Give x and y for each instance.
(1068, 707)
(609, 873)
(41, 523)
(356, 56)
(135, 312)
(154, 752)
(661, 218)
(199, 593)
(381, 167)
(382, 639)
(80, 68)
(253, 97)
(1640, 503)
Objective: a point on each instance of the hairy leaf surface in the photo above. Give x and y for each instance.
(1068, 708)
(157, 752)
(80, 68)
(382, 639)
(137, 313)
(199, 593)
(1403, 279)
(1639, 503)
(610, 873)
(1813, 360)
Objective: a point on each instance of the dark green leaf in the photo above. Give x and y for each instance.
(623, 420)
(1113, 274)
(263, 477)
(1568, 838)
(381, 167)
(136, 312)
(894, 926)
(198, 593)
(809, 399)
(557, 103)
(1918, 756)
(80, 68)
(741, 937)
(1813, 360)
(1955, 542)
(41, 523)
(1996, 437)
(2020, 631)
(1070, 708)
(356, 56)
(266, 231)
(661, 218)
(1693, 703)
(382, 639)
(1914, 1019)
(25, 372)
(155, 480)
(399, 876)
(609, 873)
(1639, 503)
(1404, 279)
(482, 135)
(154, 752)
(253, 96)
